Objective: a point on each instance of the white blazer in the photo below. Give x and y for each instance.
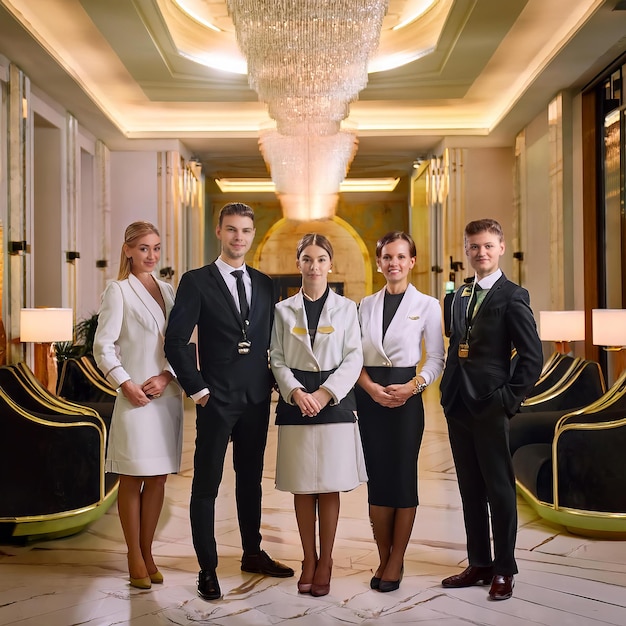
(337, 345)
(418, 317)
(129, 338)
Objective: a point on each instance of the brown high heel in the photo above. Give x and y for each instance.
(304, 587)
(318, 590)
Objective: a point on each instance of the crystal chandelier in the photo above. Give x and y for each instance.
(307, 60)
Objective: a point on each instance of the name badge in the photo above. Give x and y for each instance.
(463, 350)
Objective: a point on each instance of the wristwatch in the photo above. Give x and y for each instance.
(419, 387)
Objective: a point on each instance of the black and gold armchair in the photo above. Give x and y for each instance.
(578, 478)
(52, 477)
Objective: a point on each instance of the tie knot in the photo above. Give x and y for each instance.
(237, 274)
(477, 287)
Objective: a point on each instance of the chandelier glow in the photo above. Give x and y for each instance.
(307, 59)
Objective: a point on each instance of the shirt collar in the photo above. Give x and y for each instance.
(489, 281)
(226, 269)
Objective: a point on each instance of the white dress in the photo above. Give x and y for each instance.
(143, 441)
(318, 458)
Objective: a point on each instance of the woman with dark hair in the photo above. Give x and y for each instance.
(145, 442)
(316, 358)
(394, 323)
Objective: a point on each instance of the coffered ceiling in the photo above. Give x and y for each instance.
(137, 70)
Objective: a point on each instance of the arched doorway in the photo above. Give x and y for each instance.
(276, 254)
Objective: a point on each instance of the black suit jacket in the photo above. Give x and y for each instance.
(203, 299)
(485, 380)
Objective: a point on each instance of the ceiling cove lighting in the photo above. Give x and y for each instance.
(265, 185)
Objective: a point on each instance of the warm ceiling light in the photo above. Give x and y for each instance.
(263, 185)
(421, 7)
(368, 184)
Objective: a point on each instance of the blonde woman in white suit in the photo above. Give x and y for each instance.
(316, 358)
(145, 442)
(395, 323)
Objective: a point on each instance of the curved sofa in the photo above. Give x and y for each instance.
(578, 477)
(52, 451)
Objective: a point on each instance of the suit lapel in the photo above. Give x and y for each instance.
(491, 293)
(376, 323)
(219, 279)
(300, 328)
(148, 301)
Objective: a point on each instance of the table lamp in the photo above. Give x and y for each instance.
(562, 327)
(609, 331)
(43, 327)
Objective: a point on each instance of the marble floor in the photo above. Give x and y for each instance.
(563, 579)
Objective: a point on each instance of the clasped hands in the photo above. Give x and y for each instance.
(391, 396)
(310, 404)
(140, 395)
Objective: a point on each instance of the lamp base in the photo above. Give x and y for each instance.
(46, 366)
(562, 347)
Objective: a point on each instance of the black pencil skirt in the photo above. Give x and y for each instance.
(391, 441)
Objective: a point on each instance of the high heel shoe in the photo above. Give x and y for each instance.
(304, 587)
(318, 590)
(140, 583)
(156, 578)
(385, 586)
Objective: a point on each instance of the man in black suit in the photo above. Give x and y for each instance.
(232, 306)
(479, 394)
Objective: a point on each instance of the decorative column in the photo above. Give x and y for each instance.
(19, 231)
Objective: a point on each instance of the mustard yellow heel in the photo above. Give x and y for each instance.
(156, 578)
(141, 583)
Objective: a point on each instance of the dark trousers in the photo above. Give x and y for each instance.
(480, 447)
(216, 423)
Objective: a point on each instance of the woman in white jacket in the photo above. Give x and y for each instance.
(395, 323)
(145, 442)
(316, 358)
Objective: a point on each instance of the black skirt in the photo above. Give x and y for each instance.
(391, 441)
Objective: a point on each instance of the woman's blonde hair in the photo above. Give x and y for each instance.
(133, 232)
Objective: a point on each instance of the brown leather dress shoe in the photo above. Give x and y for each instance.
(469, 576)
(501, 587)
(262, 563)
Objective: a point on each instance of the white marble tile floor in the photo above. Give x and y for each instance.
(564, 579)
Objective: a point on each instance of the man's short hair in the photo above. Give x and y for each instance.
(480, 226)
(236, 208)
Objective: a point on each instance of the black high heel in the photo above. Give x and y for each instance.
(385, 586)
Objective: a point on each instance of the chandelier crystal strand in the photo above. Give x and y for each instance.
(307, 60)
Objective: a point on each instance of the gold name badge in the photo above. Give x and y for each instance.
(463, 350)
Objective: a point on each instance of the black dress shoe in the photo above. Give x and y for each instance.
(374, 582)
(501, 587)
(262, 563)
(208, 587)
(469, 576)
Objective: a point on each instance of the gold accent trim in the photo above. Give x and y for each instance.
(326, 329)
(298, 330)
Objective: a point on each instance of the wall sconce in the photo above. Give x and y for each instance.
(166, 272)
(609, 331)
(44, 327)
(562, 327)
(18, 247)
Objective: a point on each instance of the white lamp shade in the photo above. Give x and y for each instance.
(562, 325)
(46, 325)
(609, 327)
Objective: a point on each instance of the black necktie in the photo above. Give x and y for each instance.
(241, 292)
